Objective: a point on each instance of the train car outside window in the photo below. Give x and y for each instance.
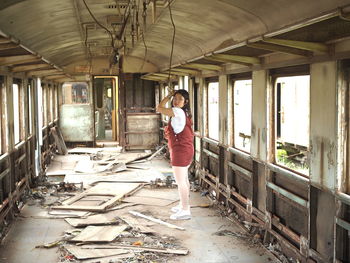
(50, 104)
(3, 122)
(242, 113)
(292, 117)
(30, 107)
(18, 110)
(168, 104)
(213, 110)
(196, 100)
(54, 102)
(75, 93)
(186, 82)
(44, 104)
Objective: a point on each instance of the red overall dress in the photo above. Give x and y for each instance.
(181, 144)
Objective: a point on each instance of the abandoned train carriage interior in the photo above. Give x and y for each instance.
(269, 91)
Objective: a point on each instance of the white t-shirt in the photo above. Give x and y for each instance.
(178, 122)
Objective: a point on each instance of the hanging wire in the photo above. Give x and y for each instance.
(172, 46)
(98, 23)
(144, 58)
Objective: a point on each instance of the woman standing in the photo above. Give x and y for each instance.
(180, 141)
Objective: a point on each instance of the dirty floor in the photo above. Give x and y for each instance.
(209, 237)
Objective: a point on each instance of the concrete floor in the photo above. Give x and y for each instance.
(28, 231)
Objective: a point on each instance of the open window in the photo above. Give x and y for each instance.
(213, 110)
(292, 121)
(3, 122)
(242, 114)
(18, 110)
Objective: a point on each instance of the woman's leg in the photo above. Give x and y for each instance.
(181, 177)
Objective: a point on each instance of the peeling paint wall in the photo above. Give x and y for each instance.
(77, 122)
(323, 124)
(259, 135)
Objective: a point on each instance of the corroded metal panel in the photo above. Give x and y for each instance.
(77, 122)
(323, 124)
(142, 130)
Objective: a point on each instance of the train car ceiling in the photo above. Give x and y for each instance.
(68, 39)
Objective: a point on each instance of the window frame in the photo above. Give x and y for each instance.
(207, 82)
(297, 71)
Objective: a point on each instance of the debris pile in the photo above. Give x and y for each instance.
(94, 198)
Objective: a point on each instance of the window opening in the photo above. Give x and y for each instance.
(292, 122)
(242, 113)
(16, 112)
(77, 93)
(213, 110)
(195, 106)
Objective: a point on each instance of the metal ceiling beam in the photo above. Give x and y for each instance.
(154, 78)
(5, 40)
(53, 77)
(13, 60)
(185, 70)
(203, 66)
(177, 73)
(282, 49)
(310, 46)
(30, 67)
(162, 75)
(226, 61)
(42, 72)
(236, 58)
(6, 46)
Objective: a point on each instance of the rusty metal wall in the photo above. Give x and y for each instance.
(77, 122)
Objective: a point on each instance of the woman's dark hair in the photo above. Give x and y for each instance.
(186, 107)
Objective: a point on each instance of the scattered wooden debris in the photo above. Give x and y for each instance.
(84, 253)
(131, 221)
(156, 153)
(140, 249)
(110, 259)
(61, 145)
(99, 233)
(156, 220)
(96, 220)
(112, 191)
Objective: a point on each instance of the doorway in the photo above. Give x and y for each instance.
(106, 108)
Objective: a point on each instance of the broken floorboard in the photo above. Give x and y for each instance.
(83, 253)
(112, 191)
(99, 234)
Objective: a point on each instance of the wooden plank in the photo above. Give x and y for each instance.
(56, 76)
(24, 68)
(96, 220)
(83, 253)
(203, 66)
(141, 249)
(61, 146)
(115, 191)
(236, 58)
(156, 220)
(43, 72)
(99, 233)
(6, 46)
(135, 224)
(311, 46)
(115, 258)
(13, 60)
(186, 70)
(278, 48)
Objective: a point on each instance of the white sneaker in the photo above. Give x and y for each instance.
(176, 208)
(181, 215)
